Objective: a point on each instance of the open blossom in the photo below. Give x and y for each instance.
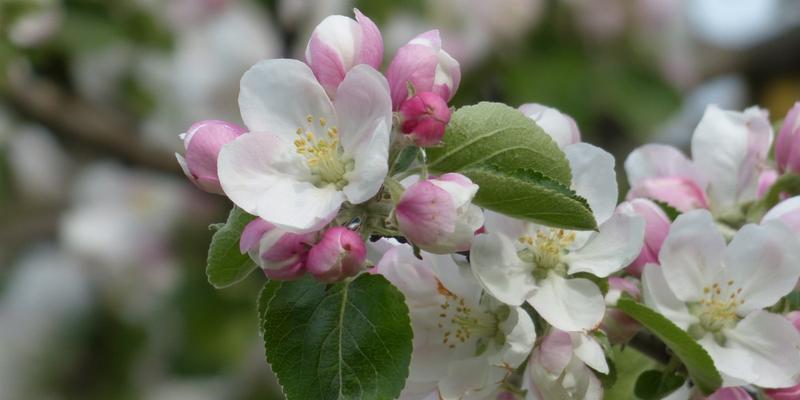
(787, 146)
(426, 67)
(656, 227)
(305, 155)
(437, 214)
(203, 141)
(465, 341)
(728, 152)
(717, 292)
(519, 261)
(339, 254)
(790, 393)
(424, 118)
(561, 127)
(340, 43)
(282, 255)
(559, 368)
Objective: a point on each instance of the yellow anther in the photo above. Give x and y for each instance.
(322, 122)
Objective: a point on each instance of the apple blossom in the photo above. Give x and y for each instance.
(618, 326)
(465, 341)
(305, 155)
(202, 142)
(424, 118)
(561, 127)
(656, 226)
(339, 254)
(728, 150)
(518, 261)
(423, 65)
(787, 146)
(559, 368)
(787, 212)
(282, 255)
(790, 393)
(437, 214)
(716, 292)
(340, 43)
(730, 393)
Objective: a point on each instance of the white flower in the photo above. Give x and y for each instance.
(559, 368)
(305, 155)
(717, 292)
(465, 341)
(519, 261)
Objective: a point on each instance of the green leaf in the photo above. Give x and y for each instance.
(672, 212)
(654, 384)
(496, 134)
(342, 341)
(226, 264)
(697, 361)
(531, 196)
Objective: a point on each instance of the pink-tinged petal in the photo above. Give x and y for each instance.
(655, 231)
(730, 393)
(203, 142)
(661, 161)
(561, 127)
(424, 118)
(326, 63)
(276, 97)
(371, 42)
(787, 212)
(691, 256)
(362, 105)
(766, 179)
(555, 351)
(415, 64)
(252, 234)
(794, 318)
(787, 146)
(681, 193)
(289, 273)
(339, 254)
(426, 212)
(791, 393)
(761, 257)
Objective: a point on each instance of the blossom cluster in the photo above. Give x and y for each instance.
(500, 307)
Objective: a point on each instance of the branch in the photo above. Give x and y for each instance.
(71, 117)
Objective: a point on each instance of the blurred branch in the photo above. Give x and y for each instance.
(71, 117)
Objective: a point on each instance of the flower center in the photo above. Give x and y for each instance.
(459, 323)
(323, 152)
(545, 249)
(717, 309)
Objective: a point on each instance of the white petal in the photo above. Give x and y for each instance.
(463, 376)
(763, 261)
(276, 96)
(263, 175)
(569, 304)
(735, 365)
(499, 270)
(691, 256)
(362, 104)
(499, 223)
(788, 212)
(370, 167)
(457, 278)
(593, 177)
(520, 335)
(616, 245)
(589, 351)
(660, 161)
(773, 345)
(658, 296)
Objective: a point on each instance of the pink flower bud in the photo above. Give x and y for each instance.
(203, 142)
(682, 193)
(617, 325)
(765, 182)
(437, 214)
(282, 255)
(787, 146)
(730, 393)
(424, 118)
(561, 127)
(788, 212)
(339, 254)
(340, 43)
(655, 231)
(794, 318)
(423, 64)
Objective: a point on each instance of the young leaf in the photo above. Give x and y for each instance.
(226, 264)
(519, 168)
(526, 194)
(697, 361)
(654, 384)
(343, 341)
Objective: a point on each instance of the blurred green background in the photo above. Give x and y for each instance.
(103, 242)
